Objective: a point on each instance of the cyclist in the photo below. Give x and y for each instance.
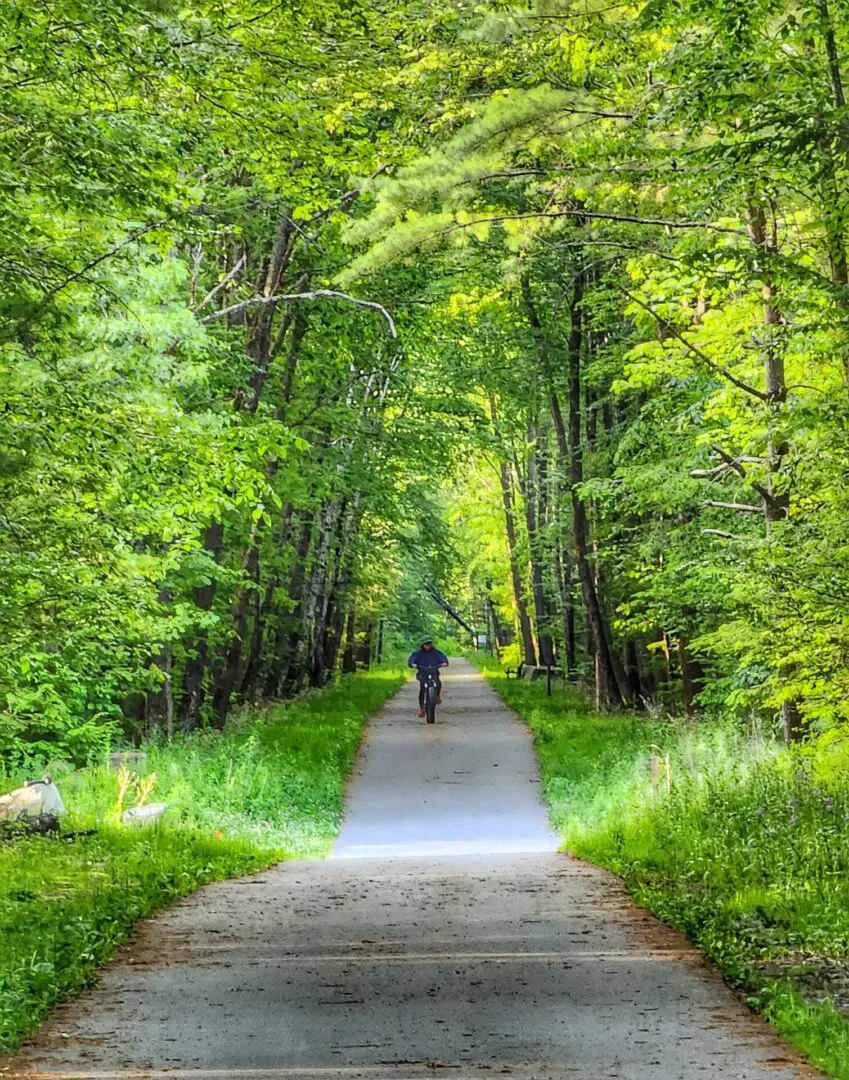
(427, 656)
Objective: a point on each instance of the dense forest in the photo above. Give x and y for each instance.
(311, 312)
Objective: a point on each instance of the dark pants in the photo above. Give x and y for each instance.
(422, 687)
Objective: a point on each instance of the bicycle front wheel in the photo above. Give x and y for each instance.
(430, 704)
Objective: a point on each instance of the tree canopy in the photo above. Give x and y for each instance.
(312, 313)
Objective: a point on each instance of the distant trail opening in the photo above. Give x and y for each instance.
(467, 786)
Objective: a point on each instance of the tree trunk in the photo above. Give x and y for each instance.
(257, 660)
(498, 635)
(515, 573)
(571, 452)
(349, 657)
(777, 502)
(159, 705)
(290, 629)
(228, 675)
(688, 689)
(632, 672)
(506, 479)
(563, 570)
(792, 722)
(365, 648)
(333, 633)
(329, 623)
(315, 591)
(262, 342)
(195, 671)
(531, 497)
(833, 197)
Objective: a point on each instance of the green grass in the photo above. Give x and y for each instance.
(745, 847)
(270, 787)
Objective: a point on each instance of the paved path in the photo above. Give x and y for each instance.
(467, 785)
(445, 936)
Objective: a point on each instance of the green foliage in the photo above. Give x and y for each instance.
(268, 788)
(738, 842)
(66, 907)
(162, 164)
(711, 256)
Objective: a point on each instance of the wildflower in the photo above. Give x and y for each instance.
(793, 820)
(829, 803)
(760, 811)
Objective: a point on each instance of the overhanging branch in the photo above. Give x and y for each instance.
(316, 294)
(449, 610)
(710, 364)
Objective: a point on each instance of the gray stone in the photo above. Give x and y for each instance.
(35, 798)
(532, 673)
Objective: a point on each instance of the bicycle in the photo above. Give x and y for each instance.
(429, 680)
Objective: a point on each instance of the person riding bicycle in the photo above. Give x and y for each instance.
(427, 658)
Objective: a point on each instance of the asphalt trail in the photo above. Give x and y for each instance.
(445, 936)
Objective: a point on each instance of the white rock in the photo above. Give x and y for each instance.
(23, 802)
(144, 815)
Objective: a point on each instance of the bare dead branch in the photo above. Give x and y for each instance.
(223, 283)
(747, 508)
(726, 535)
(765, 493)
(730, 461)
(717, 473)
(315, 294)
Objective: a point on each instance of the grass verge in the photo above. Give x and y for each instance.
(722, 833)
(270, 787)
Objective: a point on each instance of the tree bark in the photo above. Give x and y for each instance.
(329, 624)
(688, 689)
(290, 629)
(563, 570)
(506, 478)
(531, 496)
(571, 451)
(264, 614)
(193, 694)
(777, 501)
(315, 591)
(261, 345)
(349, 656)
(230, 671)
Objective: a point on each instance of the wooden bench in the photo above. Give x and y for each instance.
(533, 672)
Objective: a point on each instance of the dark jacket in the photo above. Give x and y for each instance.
(427, 658)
